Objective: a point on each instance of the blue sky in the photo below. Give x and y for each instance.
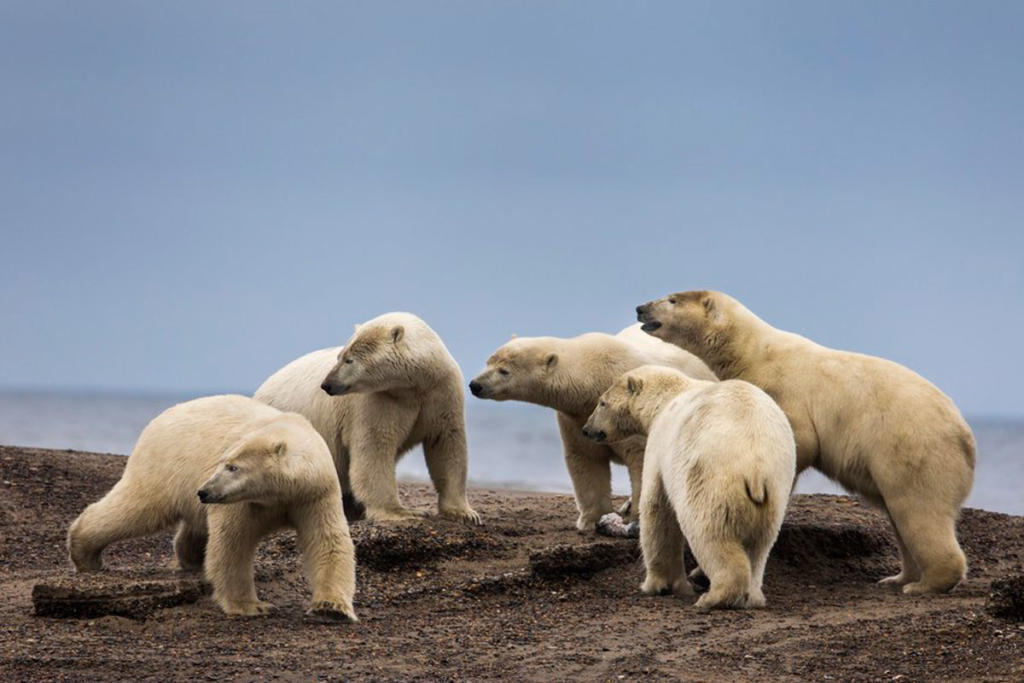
(192, 194)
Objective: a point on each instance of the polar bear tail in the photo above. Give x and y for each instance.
(757, 488)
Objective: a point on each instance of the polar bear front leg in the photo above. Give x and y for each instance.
(230, 554)
(635, 465)
(590, 470)
(446, 458)
(372, 459)
(328, 557)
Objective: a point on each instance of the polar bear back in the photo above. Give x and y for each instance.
(726, 443)
(658, 352)
(180, 448)
(296, 388)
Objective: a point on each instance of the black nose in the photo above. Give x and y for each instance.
(475, 387)
(326, 386)
(203, 495)
(640, 309)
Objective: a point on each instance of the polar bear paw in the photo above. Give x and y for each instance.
(465, 514)
(258, 608)
(332, 611)
(394, 515)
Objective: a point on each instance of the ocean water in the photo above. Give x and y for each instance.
(510, 444)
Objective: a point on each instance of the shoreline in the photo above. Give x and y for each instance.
(525, 596)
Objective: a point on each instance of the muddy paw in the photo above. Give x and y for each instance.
(699, 580)
(329, 611)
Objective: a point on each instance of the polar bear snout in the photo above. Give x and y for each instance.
(204, 496)
(643, 315)
(476, 389)
(333, 389)
(598, 435)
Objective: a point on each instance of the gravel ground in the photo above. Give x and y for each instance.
(525, 597)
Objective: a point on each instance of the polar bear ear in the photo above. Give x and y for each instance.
(634, 385)
(711, 310)
(397, 332)
(551, 360)
(279, 448)
(513, 335)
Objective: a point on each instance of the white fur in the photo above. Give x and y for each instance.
(718, 467)
(405, 389)
(582, 369)
(270, 469)
(874, 426)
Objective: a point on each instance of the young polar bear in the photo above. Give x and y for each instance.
(719, 466)
(392, 387)
(229, 470)
(569, 375)
(874, 426)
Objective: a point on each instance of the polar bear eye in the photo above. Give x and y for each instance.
(672, 301)
(232, 468)
(503, 372)
(603, 404)
(348, 361)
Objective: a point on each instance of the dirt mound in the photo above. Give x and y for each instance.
(416, 544)
(1006, 599)
(106, 594)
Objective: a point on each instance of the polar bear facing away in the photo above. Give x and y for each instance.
(569, 375)
(391, 387)
(877, 428)
(718, 469)
(228, 470)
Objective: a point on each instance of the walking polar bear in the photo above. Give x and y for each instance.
(569, 375)
(874, 426)
(718, 469)
(392, 387)
(229, 470)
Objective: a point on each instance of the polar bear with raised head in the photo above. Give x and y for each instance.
(879, 429)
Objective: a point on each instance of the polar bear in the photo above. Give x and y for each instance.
(228, 470)
(877, 428)
(392, 386)
(569, 375)
(719, 465)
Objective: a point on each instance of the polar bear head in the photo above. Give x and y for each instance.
(393, 351)
(283, 459)
(691, 320)
(524, 369)
(631, 403)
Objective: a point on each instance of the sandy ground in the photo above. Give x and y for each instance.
(525, 597)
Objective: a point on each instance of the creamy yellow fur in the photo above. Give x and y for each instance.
(261, 470)
(568, 375)
(874, 426)
(399, 387)
(718, 468)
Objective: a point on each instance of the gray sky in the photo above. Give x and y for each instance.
(192, 194)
